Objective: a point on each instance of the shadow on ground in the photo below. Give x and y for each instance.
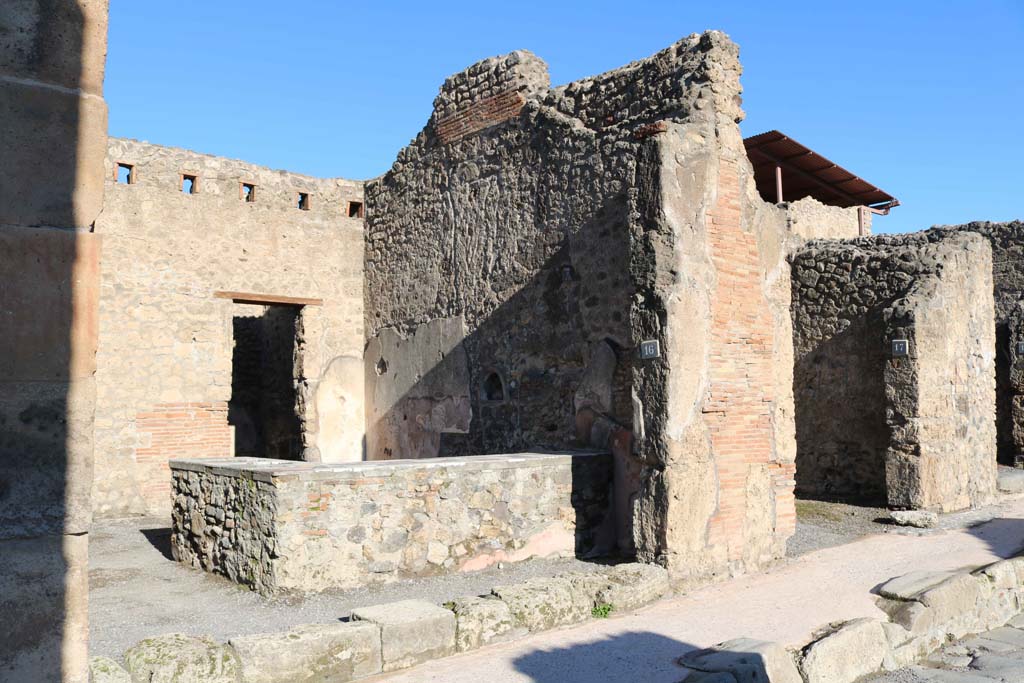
(160, 538)
(635, 656)
(1003, 535)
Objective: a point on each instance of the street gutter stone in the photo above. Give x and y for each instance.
(311, 653)
(412, 631)
(908, 586)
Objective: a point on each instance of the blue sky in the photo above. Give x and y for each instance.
(924, 99)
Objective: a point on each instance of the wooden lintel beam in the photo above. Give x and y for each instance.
(264, 299)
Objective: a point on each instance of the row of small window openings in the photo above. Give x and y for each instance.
(246, 191)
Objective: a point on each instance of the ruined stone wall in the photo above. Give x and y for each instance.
(910, 432)
(279, 526)
(496, 256)
(165, 338)
(53, 133)
(1007, 241)
(811, 219)
(546, 245)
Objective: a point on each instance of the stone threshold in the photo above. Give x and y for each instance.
(393, 636)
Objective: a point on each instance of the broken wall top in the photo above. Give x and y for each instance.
(695, 76)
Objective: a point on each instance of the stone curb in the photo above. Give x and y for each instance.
(392, 636)
(925, 610)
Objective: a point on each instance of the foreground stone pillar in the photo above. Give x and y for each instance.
(717, 443)
(53, 127)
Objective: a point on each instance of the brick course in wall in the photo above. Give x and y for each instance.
(480, 115)
(741, 389)
(177, 430)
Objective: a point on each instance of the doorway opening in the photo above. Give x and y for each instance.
(263, 408)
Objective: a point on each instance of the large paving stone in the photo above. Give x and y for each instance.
(631, 586)
(1004, 639)
(1000, 668)
(746, 660)
(909, 585)
(411, 631)
(175, 658)
(482, 621)
(540, 604)
(857, 649)
(106, 670)
(311, 654)
(958, 606)
(943, 676)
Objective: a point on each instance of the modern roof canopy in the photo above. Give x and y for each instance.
(786, 171)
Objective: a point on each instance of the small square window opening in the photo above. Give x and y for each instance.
(355, 209)
(189, 184)
(304, 201)
(247, 191)
(125, 174)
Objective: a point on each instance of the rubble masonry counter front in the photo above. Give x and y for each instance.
(280, 525)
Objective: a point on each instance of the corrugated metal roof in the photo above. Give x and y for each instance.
(807, 173)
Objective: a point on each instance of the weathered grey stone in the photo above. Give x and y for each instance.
(906, 587)
(311, 653)
(957, 603)
(922, 519)
(541, 604)
(411, 631)
(177, 657)
(106, 670)
(1006, 669)
(631, 586)
(856, 649)
(482, 621)
(747, 660)
(1006, 573)
(1003, 639)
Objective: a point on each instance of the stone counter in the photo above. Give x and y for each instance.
(278, 525)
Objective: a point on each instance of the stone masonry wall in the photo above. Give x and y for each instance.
(910, 432)
(166, 339)
(811, 219)
(279, 526)
(543, 248)
(1007, 241)
(500, 253)
(941, 399)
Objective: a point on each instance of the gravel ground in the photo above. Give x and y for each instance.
(137, 591)
(821, 524)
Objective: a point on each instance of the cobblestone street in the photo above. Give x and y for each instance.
(996, 655)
